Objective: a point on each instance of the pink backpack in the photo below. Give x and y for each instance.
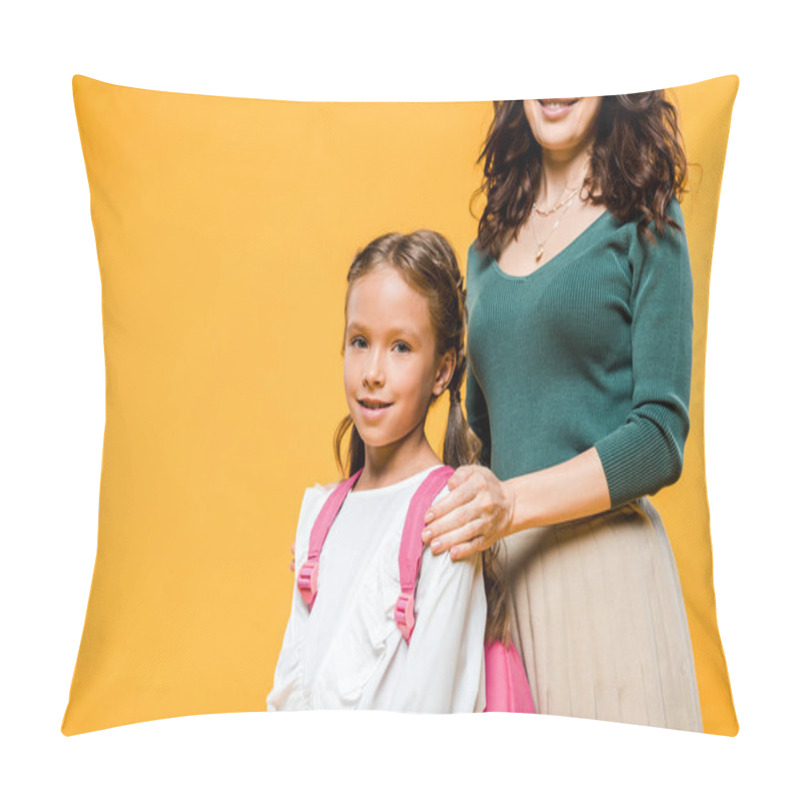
(506, 683)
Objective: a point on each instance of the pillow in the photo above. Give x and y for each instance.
(224, 229)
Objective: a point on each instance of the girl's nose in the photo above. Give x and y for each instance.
(373, 370)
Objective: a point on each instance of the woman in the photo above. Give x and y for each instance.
(579, 368)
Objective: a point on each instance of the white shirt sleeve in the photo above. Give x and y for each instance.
(286, 694)
(287, 685)
(444, 665)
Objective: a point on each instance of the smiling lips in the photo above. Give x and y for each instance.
(556, 108)
(372, 407)
(370, 402)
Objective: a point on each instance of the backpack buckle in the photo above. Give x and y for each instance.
(307, 581)
(404, 614)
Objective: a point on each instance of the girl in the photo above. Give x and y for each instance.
(403, 348)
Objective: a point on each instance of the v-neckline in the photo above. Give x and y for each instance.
(558, 256)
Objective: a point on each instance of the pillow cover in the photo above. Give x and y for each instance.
(224, 229)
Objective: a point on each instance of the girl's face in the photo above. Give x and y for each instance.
(391, 369)
(563, 126)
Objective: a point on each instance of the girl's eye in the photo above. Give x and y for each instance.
(358, 342)
(402, 347)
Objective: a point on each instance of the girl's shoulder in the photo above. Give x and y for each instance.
(322, 488)
(316, 495)
(314, 498)
(443, 493)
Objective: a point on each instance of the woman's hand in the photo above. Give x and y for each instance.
(475, 514)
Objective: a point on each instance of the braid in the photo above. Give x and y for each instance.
(458, 376)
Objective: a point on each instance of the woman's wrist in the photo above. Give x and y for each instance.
(573, 489)
(511, 505)
(527, 510)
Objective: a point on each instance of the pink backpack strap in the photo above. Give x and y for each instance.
(307, 575)
(411, 546)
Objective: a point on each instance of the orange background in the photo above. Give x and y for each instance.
(224, 231)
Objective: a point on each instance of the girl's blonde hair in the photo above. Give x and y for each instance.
(426, 261)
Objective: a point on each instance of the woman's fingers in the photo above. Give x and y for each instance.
(455, 497)
(461, 492)
(480, 507)
(462, 551)
(466, 534)
(459, 476)
(469, 501)
(451, 522)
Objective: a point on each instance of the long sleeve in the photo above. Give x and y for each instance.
(444, 669)
(286, 694)
(646, 452)
(287, 690)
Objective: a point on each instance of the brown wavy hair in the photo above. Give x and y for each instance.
(637, 164)
(426, 261)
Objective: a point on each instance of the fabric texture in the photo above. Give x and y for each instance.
(349, 653)
(593, 348)
(598, 617)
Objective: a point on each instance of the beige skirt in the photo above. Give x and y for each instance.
(598, 616)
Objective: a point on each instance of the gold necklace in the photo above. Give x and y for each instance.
(558, 205)
(540, 245)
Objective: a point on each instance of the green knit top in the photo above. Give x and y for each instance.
(594, 348)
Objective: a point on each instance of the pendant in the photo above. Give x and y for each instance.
(539, 253)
